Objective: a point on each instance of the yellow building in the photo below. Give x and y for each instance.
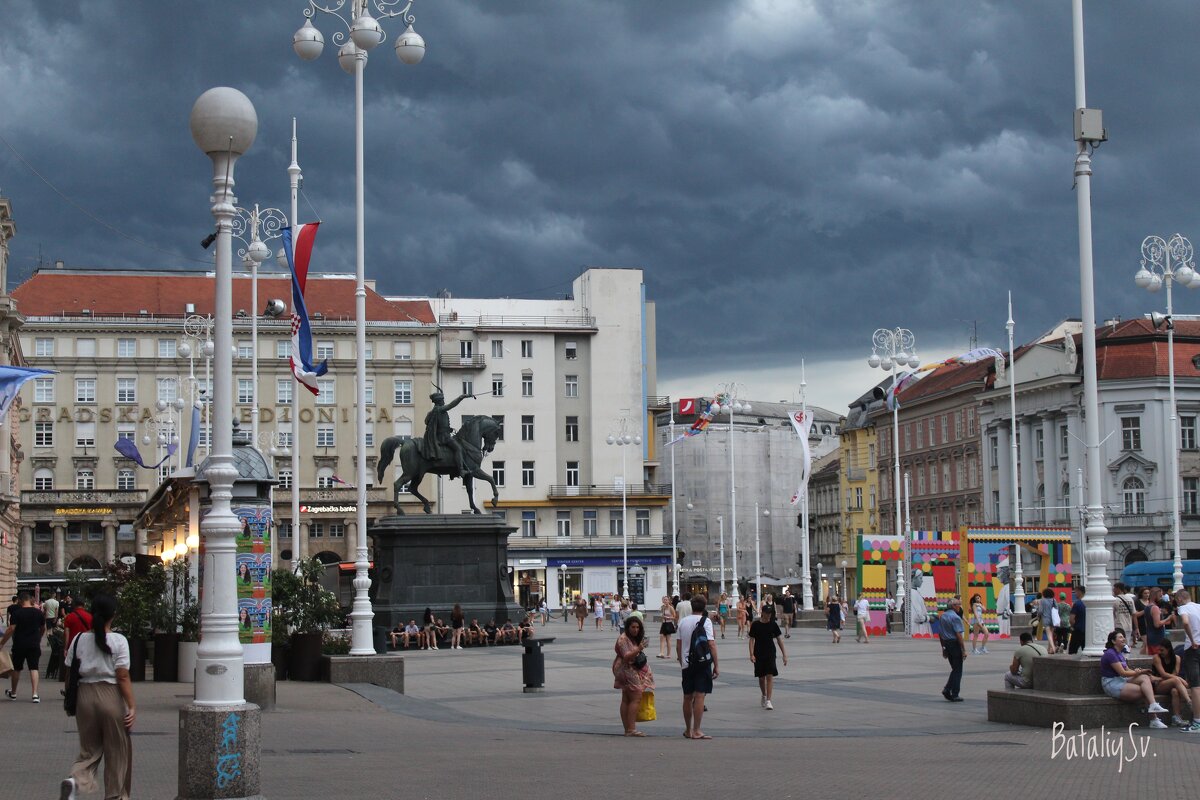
(859, 484)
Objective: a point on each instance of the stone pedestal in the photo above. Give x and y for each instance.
(385, 671)
(219, 751)
(437, 560)
(260, 685)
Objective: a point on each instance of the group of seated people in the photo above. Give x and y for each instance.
(414, 636)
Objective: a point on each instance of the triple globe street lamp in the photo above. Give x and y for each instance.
(621, 439)
(727, 400)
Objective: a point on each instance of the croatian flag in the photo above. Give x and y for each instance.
(802, 421)
(302, 355)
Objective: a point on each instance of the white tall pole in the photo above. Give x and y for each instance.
(1019, 576)
(721, 547)
(294, 184)
(1080, 507)
(624, 532)
(1173, 443)
(904, 558)
(254, 339)
(806, 593)
(1099, 596)
(733, 501)
(674, 525)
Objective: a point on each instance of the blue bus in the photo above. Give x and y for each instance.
(1158, 573)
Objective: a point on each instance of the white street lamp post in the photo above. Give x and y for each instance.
(262, 226)
(198, 333)
(620, 439)
(1169, 262)
(891, 351)
(365, 34)
(721, 547)
(674, 523)
(729, 394)
(766, 512)
(845, 587)
(806, 593)
(1099, 595)
(223, 124)
(905, 564)
(1014, 459)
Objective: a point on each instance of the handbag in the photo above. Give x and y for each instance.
(639, 661)
(646, 712)
(71, 690)
(6, 665)
(1055, 619)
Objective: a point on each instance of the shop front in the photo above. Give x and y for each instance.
(563, 576)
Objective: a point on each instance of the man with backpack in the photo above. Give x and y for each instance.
(697, 655)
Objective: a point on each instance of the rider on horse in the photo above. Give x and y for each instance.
(439, 436)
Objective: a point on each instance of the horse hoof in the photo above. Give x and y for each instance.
(495, 502)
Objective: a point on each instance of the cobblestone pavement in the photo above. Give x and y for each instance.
(851, 721)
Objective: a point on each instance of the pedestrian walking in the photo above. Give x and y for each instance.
(458, 627)
(764, 636)
(581, 610)
(1078, 621)
(1063, 632)
(833, 618)
(614, 612)
(1157, 622)
(598, 610)
(722, 612)
(977, 627)
(862, 614)
(954, 648)
(666, 631)
(25, 629)
(105, 708)
(1046, 609)
(741, 615)
(1189, 615)
(631, 672)
(698, 660)
(787, 611)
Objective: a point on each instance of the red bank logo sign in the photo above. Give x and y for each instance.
(687, 405)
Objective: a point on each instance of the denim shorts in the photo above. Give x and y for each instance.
(1113, 686)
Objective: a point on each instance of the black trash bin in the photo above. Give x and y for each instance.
(380, 639)
(533, 664)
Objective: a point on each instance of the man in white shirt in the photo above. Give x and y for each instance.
(699, 668)
(1188, 613)
(683, 610)
(862, 610)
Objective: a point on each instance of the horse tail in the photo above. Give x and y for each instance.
(386, 450)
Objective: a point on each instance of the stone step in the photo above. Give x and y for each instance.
(1043, 709)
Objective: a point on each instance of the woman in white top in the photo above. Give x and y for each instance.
(105, 709)
(978, 629)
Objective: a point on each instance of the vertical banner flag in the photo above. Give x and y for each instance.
(11, 380)
(802, 422)
(302, 346)
(194, 437)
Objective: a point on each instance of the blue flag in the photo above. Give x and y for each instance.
(11, 380)
(127, 448)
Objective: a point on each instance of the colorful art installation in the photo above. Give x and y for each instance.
(701, 423)
(933, 578)
(253, 560)
(875, 554)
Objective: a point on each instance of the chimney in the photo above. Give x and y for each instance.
(59, 264)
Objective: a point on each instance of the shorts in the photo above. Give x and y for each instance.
(1113, 686)
(26, 656)
(698, 679)
(1191, 667)
(666, 629)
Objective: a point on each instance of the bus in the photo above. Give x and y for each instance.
(1159, 573)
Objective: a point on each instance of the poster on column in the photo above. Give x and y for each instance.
(253, 563)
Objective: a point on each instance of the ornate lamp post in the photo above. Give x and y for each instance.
(891, 351)
(197, 333)
(729, 402)
(363, 33)
(1169, 262)
(621, 438)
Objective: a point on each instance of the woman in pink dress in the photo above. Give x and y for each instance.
(631, 673)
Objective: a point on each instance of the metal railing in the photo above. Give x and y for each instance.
(504, 321)
(451, 361)
(658, 401)
(611, 490)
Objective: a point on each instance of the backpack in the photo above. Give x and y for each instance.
(698, 652)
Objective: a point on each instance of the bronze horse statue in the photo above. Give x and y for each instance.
(477, 437)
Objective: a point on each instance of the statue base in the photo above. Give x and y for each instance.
(437, 560)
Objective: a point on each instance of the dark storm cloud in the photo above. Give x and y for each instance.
(790, 175)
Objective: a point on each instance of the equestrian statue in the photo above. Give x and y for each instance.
(442, 452)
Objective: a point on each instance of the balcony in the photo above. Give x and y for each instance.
(856, 474)
(451, 361)
(80, 498)
(658, 402)
(609, 491)
(500, 322)
(1138, 521)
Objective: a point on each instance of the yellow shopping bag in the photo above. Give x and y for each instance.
(646, 711)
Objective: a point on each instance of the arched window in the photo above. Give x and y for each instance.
(85, 480)
(1135, 555)
(126, 481)
(1134, 492)
(43, 480)
(84, 562)
(328, 557)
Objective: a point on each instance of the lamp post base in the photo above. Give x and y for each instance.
(219, 751)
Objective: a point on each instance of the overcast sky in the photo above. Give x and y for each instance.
(790, 174)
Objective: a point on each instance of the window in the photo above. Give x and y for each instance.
(931, 433)
(920, 481)
(563, 528)
(1187, 432)
(1191, 496)
(164, 470)
(285, 482)
(126, 348)
(324, 351)
(283, 391)
(572, 473)
(498, 473)
(85, 480)
(994, 452)
(466, 349)
(87, 347)
(244, 350)
(403, 351)
(43, 434)
(316, 530)
(527, 385)
(572, 429)
(85, 434)
(370, 434)
(497, 384)
(325, 395)
(933, 479)
(337, 530)
(43, 390)
(527, 348)
(571, 351)
(85, 390)
(527, 428)
(245, 390)
(468, 387)
(369, 352)
(402, 392)
(529, 524)
(1134, 493)
(325, 435)
(43, 347)
(590, 526)
(499, 418)
(643, 522)
(1131, 433)
(527, 473)
(167, 348)
(284, 429)
(125, 480)
(960, 473)
(945, 428)
(907, 437)
(1039, 445)
(325, 478)
(945, 476)
(1064, 438)
(571, 385)
(497, 348)
(43, 480)
(168, 390)
(126, 390)
(369, 391)
(283, 348)
(616, 524)
(958, 425)
(858, 498)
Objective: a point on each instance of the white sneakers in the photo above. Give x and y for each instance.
(1155, 708)
(767, 705)
(1157, 723)
(66, 789)
(762, 701)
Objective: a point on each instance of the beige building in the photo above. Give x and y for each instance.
(113, 339)
(10, 439)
